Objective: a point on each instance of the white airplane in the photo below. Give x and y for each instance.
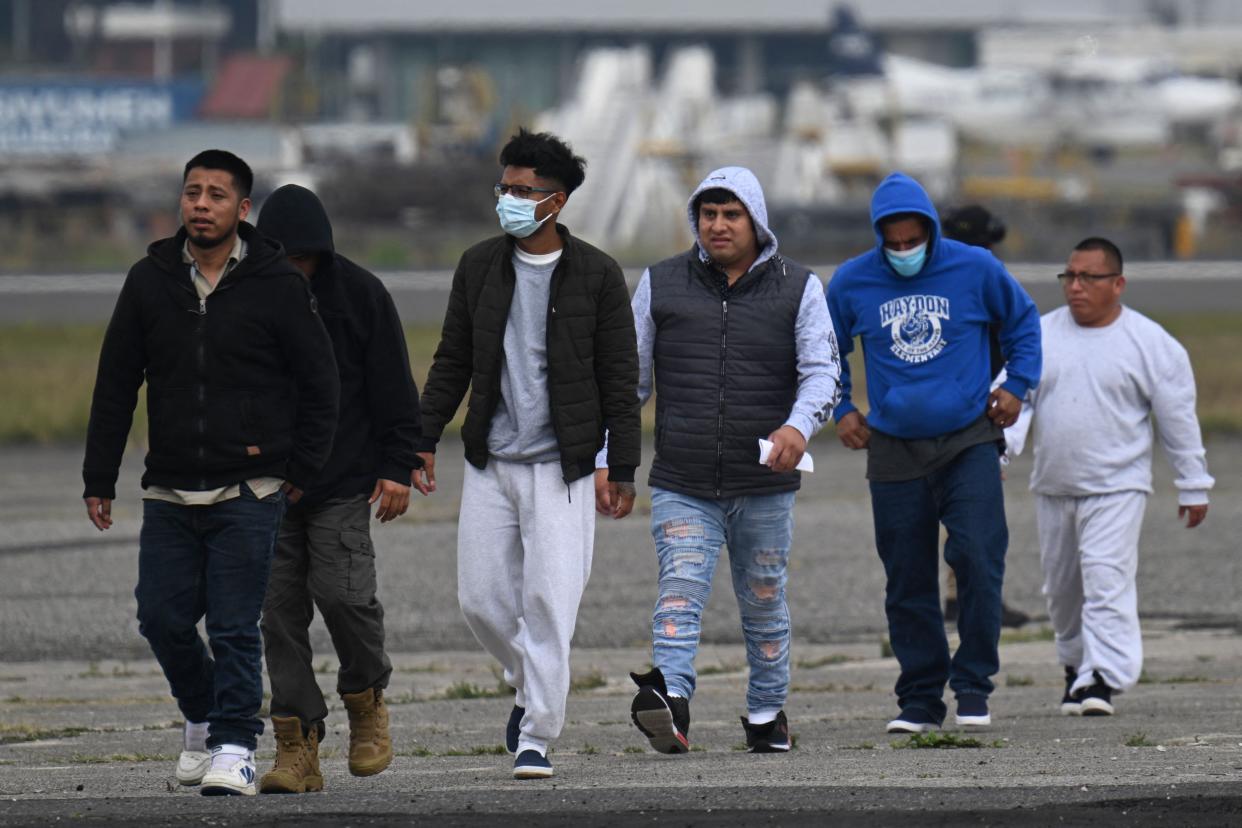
(1085, 99)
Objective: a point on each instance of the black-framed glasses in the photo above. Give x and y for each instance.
(1084, 279)
(519, 190)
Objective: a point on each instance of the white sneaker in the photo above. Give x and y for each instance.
(232, 772)
(191, 765)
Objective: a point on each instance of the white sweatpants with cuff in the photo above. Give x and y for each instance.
(524, 546)
(1089, 552)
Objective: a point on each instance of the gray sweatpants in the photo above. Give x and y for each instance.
(524, 544)
(324, 558)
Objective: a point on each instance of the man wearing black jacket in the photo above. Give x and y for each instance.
(242, 403)
(324, 553)
(539, 328)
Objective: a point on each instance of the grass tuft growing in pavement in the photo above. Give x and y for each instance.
(1138, 740)
(469, 690)
(1027, 636)
(589, 681)
(941, 740)
(1018, 681)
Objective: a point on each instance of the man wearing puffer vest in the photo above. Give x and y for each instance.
(921, 305)
(736, 342)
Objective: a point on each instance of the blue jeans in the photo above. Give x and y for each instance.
(213, 561)
(689, 532)
(966, 497)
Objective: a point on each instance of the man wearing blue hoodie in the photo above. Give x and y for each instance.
(921, 304)
(736, 342)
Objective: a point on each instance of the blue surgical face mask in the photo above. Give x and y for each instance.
(517, 215)
(907, 262)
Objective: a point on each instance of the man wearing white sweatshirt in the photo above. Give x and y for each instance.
(1108, 370)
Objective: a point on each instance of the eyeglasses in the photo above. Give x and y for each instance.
(519, 190)
(1084, 279)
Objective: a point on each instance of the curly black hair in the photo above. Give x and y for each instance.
(547, 155)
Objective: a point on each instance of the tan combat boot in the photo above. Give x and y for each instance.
(297, 759)
(370, 746)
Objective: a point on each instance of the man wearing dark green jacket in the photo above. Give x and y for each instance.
(539, 328)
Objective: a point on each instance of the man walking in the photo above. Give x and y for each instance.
(539, 327)
(242, 403)
(324, 555)
(922, 304)
(1109, 372)
(975, 225)
(737, 344)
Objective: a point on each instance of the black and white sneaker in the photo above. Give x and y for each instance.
(913, 720)
(772, 737)
(1070, 704)
(531, 764)
(1096, 700)
(972, 711)
(663, 719)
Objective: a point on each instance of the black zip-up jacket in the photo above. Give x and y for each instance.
(592, 356)
(240, 385)
(379, 427)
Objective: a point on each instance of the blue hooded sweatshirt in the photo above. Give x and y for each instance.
(925, 337)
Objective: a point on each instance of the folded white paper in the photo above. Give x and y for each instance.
(806, 464)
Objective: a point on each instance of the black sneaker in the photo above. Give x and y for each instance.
(513, 730)
(772, 737)
(1070, 705)
(1096, 700)
(663, 719)
(1011, 617)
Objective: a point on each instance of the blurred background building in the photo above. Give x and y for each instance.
(1065, 116)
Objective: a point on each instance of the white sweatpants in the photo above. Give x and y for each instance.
(524, 545)
(1089, 551)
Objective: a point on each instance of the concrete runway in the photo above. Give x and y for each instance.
(88, 733)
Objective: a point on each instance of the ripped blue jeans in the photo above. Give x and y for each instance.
(689, 533)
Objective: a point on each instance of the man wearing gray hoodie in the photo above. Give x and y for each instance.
(738, 346)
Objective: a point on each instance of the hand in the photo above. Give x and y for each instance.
(852, 431)
(1194, 514)
(99, 510)
(611, 498)
(788, 446)
(393, 497)
(1003, 408)
(292, 493)
(424, 479)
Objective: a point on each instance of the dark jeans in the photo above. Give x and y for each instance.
(213, 561)
(324, 558)
(966, 497)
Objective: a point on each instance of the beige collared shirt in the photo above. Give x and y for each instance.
(261, 486)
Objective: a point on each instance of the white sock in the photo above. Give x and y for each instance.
(226, 756)
(525, 743)
(761, 717)
(196, 736)
(673, 695)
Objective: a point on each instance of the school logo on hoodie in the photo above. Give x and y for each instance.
(915, 325)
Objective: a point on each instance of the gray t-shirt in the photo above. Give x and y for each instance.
(891, 459)
(521, 429)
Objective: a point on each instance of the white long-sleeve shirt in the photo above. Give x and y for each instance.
(1090, 419)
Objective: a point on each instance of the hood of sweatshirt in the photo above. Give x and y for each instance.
(295, 217)
(899, 193)
(743, 184)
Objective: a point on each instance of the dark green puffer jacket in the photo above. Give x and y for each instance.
(592, 356)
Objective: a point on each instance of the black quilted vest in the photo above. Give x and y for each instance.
(726, 374)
